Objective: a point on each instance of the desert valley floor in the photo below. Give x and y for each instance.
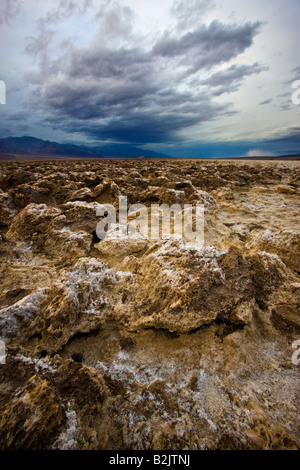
(143, 344)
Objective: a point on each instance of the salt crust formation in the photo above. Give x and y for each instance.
(149, 344)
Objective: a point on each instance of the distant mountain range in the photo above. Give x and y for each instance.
(20, 147)
(31, 148)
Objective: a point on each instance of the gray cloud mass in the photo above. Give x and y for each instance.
(8, 10)
(125, 92)
(165, 74)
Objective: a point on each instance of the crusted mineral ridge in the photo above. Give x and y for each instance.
(143, 344)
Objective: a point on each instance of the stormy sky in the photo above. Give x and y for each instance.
(182, 77)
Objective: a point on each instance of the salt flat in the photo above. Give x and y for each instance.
(149, 344)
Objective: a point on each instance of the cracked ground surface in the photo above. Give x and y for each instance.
(142, 344)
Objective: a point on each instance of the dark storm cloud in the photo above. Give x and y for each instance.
(38, 47)
(142, 127)
(121, 90)
(291, 135)
(286, 144)
(19, 116)
(208, 45)
(296, 72)
(130, 114)
(99, 62)
(82, 102)
(17, 121)
(99, 58)
(284, 95)
(268, 101)
(229, 80)
(189, 13)
(234, 74)
(285, 107)
(65, 9)
(134, 112)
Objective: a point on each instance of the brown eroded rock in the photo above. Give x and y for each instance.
(79, 302)
(81, 215)
(32, 418)
(7, 209)
(285, 244)
(33, 219)
(149, 344)
(180, 289)
(45, 229)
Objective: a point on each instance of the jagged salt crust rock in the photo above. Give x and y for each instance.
(133, 343)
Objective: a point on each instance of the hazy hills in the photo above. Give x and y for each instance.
(31, 148)
(28, 145)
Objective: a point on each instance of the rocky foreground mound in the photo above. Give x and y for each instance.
(142, 344)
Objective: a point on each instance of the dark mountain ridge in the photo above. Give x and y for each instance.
(28, 145)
